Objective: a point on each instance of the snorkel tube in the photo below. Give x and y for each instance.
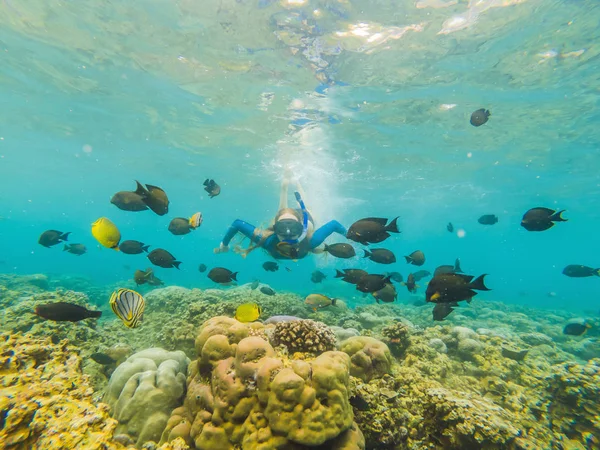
(304, 221)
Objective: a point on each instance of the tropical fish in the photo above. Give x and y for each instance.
(179, 226)
(222, 275)
(578, 271)
(133, 247)
(380, 255)
(267, 290)
(411, 283)
(395, 276)
(450, 227)
(372, 282)
(541, 219)
(387, 295)
(65, 312)
(488, 219)
(576, 329)
(162, 258)
(448, 268)
(442, 310)
(196, 220)
(146, 276)
(271, 266)
(454, 287)
(212, 188)
(106, 233)
(317, 276)
(248, 312)
(131, 201)
(341, 250)
(416, 258)
(128, 306)
(480, 117)
(372, 230)
(419, 275)
(254, 284)
(52, 237)
(351, 276)
(359, 403)
(154, 197)
(102, 358)
(317, 301)
(202, 268)
(153, 280)
(76, 249)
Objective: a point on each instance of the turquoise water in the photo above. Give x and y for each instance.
(98, 94)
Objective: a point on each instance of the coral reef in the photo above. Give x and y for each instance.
(369, 357)
(397, 337)
(240, 394)
(304, 336)
(143, 391)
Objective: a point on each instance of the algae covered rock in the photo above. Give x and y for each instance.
(144, 390)
(369, 357)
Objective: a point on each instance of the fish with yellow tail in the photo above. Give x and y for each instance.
(106, 233)
(128, 306)
(248, 312)
(318, 301)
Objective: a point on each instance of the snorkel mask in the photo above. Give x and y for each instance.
(291, 230)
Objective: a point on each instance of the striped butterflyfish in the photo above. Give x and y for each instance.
(128, 306)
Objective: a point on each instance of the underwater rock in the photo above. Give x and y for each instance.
(534, 339)
(438, 345)
(341, 333)
(144, 390)
(369, 357)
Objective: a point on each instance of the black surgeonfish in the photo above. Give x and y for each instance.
(317, 276)
(479, 117)
(271, 266)
(52, 237)
(351, 276)
(65, 312)
(154, 197)
(76, 249)
(488, 219)
(372, 282)
(162, 258)
(417, 258)
(131, 247)
(341, 250)
(380, 255)
(579, 271)
(222, 275)
(454, 287)
(372, 230)
(541, 219)
(212, 188)
(132, 201)
(442, 310)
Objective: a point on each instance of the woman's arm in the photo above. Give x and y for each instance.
(238, 226)
(333, 226)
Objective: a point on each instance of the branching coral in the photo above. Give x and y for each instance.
(304, 336)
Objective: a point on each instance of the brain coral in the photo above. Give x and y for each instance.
(369, 357)
(304, 336)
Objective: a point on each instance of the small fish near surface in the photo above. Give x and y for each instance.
(162, 258)
(270, 266)
(131, 247)
(419, 275)
(541, 219)
(132, 201)
(416, 258)
(128, 306)
(351, 276)
(106, 233)
(450, 227)
(65, 312)
(454, 287)
(387, 295)
(267, 290)
(395, 276)
(479, 117)
(75, 249)
(579, 271)
(102, 359)
(222, 275)
(372, 282)
(202, 268)
(212, 188)
(411, 283)
(317, 276)
(318, 301)
(248, 312)
(442, 310)
(372, 230)
(576, 329)
(488, 219)
(155, 198)
(341, 250)
(52, 237)
(380, 255)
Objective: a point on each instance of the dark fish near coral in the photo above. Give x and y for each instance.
(395, 276)
(450, 227)
(341, 250)
(102, 358)
(541, 219)
(222, 275)
(578, 271)
(317, 276)
(416, 258)
(153, 280)
(271, 266)
(76, 249)
(212, 188)
(372, 282)
(202, 268)
(411, 284)
(387, 295)
(133, 247)
(372, 230)
(442, 310)
(180, 226)
(52, 237)
(131, 201)
(359, 403)
(267, 290)
(155, 198)
(351, 276)
(576, 329)
(421, 274)
(480, 117)
(162, 258)
(380, 255)
(454, 287)
(488, 219)
(65, 312)
(146, 277)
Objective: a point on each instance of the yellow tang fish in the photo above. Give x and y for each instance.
(248, 312)
(106, 233)
(128, 306)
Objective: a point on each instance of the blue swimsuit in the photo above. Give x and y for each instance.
(270, 244)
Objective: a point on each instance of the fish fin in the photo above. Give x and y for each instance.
(140, 189)
(66, 248)
(234, 276)
(557, 217)
(393, 226)
(151, 187)
(206, 182)
(472, 294)
(478, 284)
(379, 220)
(339, 274)
(597, 272)
(466, 278)
(176, 264)
(367, 253)
(434, 297)
(408, 259)
(65, 236)
(145, 248)
(457, 268)
(116, 248)
(94, 314)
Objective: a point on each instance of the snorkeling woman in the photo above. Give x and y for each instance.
(292, 235)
